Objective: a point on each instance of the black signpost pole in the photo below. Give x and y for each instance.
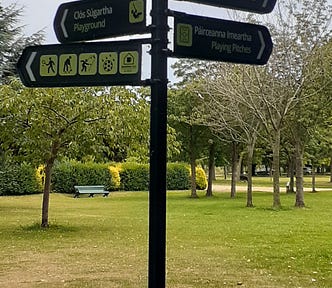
(157, 201)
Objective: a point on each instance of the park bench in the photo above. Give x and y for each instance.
(91, 190)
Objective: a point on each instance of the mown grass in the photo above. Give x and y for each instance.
(216, 242)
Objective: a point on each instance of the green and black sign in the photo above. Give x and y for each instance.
(221, 40)
(83, 64)
(90, 19)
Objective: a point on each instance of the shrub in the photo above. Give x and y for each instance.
(92, 174)
(178, 176)
(115, 176)
(18, 180)
(201, 181)
(63, 177)
(134, 177)
(40, 176)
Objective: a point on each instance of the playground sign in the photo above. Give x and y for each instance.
(90, 19)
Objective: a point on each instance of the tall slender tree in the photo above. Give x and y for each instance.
(13, 40)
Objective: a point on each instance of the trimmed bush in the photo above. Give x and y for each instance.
(63, 177)
(127, 176)
(178, 176)
(18, 180)
(68, 174)
(115, 176)
(201, 181)
(134, 177)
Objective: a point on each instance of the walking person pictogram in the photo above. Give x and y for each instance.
(67, 65)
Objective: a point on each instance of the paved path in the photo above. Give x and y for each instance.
(227, 188)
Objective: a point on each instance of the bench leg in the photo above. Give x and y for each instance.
(77, 195)
(91, 195)
(105, 194)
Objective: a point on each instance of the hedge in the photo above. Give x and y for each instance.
(24, 179)
(178, 176)
(70, 173)
(126, 176)
(134, 177)
(18, 179)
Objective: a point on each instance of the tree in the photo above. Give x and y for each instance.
(126, 136)
(43, 124)
(184, 118)
(310, 78)
(224, 99)
(12, 40)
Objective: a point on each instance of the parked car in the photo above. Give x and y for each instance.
(307, 170)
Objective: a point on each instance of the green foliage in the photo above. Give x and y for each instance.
(201, 181)
(68, 174)
(18, 180)
(12, 39)
(115, 176)
(128, 176)
(134, 177)
(178, 176)
(63, 178)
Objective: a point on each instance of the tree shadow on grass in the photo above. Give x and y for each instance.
(53, 227)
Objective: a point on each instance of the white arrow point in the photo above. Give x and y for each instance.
(28, 66)
(261, 51)
(63, 27)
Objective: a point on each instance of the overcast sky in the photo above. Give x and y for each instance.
(39, 14)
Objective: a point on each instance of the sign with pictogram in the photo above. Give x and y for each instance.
(90, 19)
(221, 40)
(256, 6)
(83, 64)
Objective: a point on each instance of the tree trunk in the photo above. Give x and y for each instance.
(275, 170)
(211, 169)
(234, 169)
(249, 175)
(290, 186)
(213, 172)
(46, 194)
(299, 202)
(193, 179)
(331, 169)
(313, 179)
(47, 185)
(239, 165)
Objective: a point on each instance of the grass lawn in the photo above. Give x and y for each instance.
(217, 242)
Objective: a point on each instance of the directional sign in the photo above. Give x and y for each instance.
(257, 6)
(90, 19)
(221, 40)
(84, 64)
